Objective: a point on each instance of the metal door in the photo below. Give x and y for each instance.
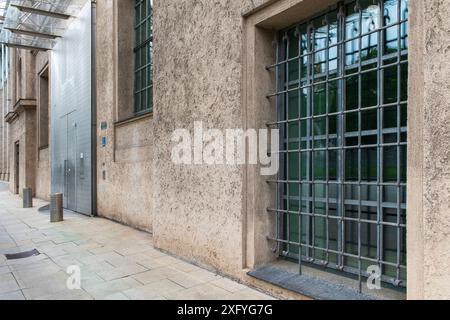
(70, 188)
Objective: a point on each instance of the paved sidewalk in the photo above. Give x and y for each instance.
(116, 262)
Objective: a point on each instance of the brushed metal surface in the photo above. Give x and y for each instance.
(71, 115)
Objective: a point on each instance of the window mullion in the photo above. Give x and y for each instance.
(308, 143)
(380, 151)
(341, 139)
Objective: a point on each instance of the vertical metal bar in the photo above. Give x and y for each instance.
(300, 186)
(279, 116)
(399, 79)
(360, 128)
(288, 155)
(341, 143)
(282, 97)
(327, 152)
(309, 153)
(313, 142)
(380, 152)
(405, 32)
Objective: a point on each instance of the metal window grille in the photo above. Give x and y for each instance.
(143, 53)
(342, 112)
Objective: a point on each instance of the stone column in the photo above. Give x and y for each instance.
(429, 151)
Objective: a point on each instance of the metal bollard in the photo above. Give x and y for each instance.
(27, 198)
(56, 208)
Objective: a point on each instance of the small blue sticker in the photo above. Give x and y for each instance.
(103, 141)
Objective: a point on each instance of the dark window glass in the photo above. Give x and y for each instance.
(343, 101)
(143, 60)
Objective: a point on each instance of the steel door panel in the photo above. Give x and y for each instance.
(71, 164)
(71, 92)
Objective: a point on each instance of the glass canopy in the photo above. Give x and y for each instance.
(36, 24)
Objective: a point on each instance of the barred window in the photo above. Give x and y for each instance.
(342, 111)
(143, 52)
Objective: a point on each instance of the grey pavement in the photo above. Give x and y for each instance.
(114, 262)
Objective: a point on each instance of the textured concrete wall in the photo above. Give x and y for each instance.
(213, 215)
(16, 134)
(23, 128)
(4, 164)
(429, 151)
(30, 154)
(34, 164)
(43, 172)
(22, 131)
(26, 80)
(198, 209)
(125, 52)
(2, 135)
(43, 179)
(125, 182)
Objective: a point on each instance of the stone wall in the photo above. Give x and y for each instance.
(198, 77)
(125, 181)
(205, 69)
(34, 164)
(21, 132)
(429, 151)
(4, 131)
(43, 179)
(2, 136)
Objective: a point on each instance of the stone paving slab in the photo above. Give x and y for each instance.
(116, 262)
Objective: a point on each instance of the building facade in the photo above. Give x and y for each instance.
(4, 163)
(357, 90)
(26, 116)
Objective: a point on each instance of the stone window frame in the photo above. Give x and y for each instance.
(390, 188)
(40, 75)
(261, 22)
(143, 57)
(124, 63)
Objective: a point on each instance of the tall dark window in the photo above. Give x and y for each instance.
(43, 113)
(143, 53)
(342, 101)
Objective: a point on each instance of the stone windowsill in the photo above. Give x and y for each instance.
(319, 284)
(134, 118)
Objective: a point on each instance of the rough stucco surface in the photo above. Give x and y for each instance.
(3, 161)
(126, 193)
(124, 165)
(197, 212)
(436, 150)
(15, 135)
(43, 172)
(198, 209)
(43, 188)
(22, 131)
(23, 128)
(249, 5)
